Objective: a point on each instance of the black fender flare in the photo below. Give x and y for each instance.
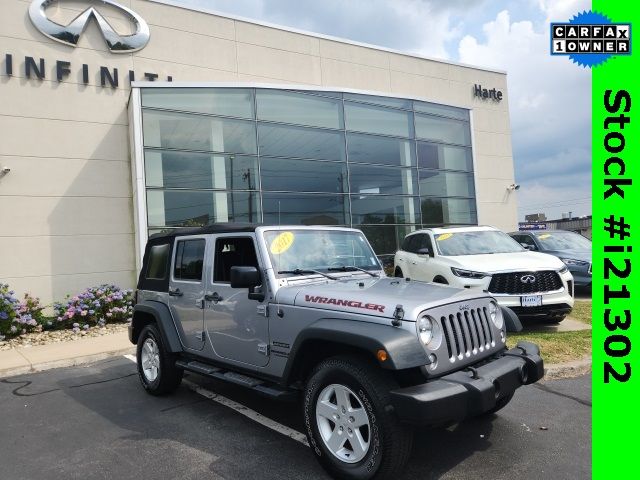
(511, 320)
(402, 346)
(160, 312)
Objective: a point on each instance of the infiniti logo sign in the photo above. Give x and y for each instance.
(528, 279)
(70, 34)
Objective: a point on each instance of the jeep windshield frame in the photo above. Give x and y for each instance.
(306, 249)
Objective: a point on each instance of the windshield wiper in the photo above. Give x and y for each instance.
(299, 271)
(351, 268)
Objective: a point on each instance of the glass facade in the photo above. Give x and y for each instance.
(384, 165)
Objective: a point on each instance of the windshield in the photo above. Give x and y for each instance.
(319, 250)
(476, 243)
(563, 241)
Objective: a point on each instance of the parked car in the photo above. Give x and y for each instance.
(307, 314)
(570, 247)
(484, 258)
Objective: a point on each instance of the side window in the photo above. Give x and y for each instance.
(158, 265)
(189, 260)
(424, 241)
(233, 252)
(412, 244)
(527, 240)
(406, 244)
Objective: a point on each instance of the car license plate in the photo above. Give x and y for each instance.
(531, 301)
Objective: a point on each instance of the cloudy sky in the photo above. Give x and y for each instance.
(550, 97)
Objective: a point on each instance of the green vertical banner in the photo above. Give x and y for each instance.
(616, 249)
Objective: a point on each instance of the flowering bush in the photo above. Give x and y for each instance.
(14, 320)
(95, 306)
(32, 308)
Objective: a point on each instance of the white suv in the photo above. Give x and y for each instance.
(532, 284)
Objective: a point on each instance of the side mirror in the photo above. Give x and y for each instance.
(425, 251)
(245, 277)
(529, 247)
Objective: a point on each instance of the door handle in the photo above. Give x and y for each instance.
(214, 297)
(175, 293)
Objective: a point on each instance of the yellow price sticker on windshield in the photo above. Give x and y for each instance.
(282, 243)
(444, 236)
(546, 235)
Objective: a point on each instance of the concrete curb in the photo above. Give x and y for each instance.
(574, 368)
(67, 362)
(23, 360)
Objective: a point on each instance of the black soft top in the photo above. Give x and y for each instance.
(215, 228)
(167, 238)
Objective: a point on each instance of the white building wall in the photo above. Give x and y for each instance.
(66, 214)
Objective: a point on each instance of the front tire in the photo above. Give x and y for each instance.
(398, 273)
(156, 365)
(350, 424)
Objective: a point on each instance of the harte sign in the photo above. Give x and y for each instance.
(59, 70)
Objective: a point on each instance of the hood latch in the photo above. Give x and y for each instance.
(398, 315)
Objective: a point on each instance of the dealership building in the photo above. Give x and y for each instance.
(123, 118)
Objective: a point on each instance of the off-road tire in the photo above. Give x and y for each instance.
(169, 376)
(389, 440)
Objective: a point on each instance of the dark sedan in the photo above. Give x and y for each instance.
(570, 247)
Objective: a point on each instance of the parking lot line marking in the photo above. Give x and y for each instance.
(243, 410)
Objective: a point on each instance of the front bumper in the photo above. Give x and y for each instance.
(557, 310)
(468, 393)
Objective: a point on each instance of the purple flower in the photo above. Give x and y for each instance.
(4, 315)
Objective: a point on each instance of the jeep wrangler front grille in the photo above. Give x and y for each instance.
(467, 333)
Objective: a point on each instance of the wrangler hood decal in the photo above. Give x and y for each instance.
(374, 296)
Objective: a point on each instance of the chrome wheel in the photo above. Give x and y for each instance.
(343, 423)
(150, 359)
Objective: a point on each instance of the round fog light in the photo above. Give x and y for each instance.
(434, 362)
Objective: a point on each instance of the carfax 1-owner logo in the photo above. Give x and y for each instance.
(590, 38)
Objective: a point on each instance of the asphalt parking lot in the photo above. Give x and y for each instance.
(96, 422)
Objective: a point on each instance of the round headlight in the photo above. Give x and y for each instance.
(425, 329)
(496, 315)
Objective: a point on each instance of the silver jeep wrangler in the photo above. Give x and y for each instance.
(307, 313)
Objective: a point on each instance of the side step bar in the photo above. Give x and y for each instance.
(260, 386)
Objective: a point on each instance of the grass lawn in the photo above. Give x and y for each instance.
(557, 347)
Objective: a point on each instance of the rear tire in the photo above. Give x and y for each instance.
(398, 273)
(347, 400)
(156, 365)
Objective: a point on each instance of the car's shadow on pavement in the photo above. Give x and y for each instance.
(178, 417)
(437, 450)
